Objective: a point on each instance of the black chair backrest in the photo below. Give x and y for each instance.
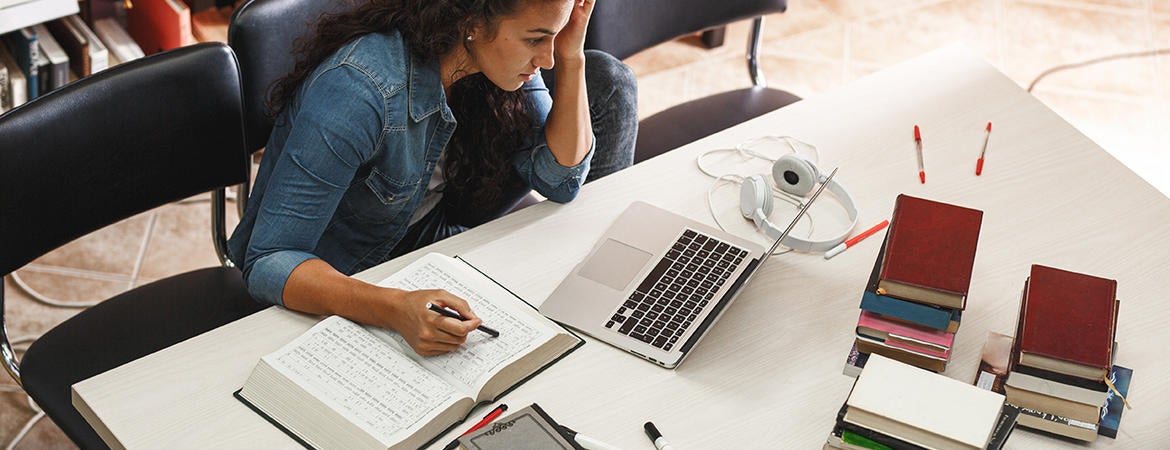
(264, 35)
(625, 27)
(120, 142)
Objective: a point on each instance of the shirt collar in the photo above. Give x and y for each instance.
(426, 90)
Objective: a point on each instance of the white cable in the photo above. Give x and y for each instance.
(739, 180)
(25, 429)
(42, 298)
(1093, 61)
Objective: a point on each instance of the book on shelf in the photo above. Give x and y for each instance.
(26, 51)
(344, 385)
(211, 24)
(99, 56)
(75, 43)
(1057, 398)
(528, 428)
(5, 88)
(1067, 323)
(17, 93)
(159, 25)
(930, 252)
(55, 69)
(922, 408)
(95, 10)
(121, 46)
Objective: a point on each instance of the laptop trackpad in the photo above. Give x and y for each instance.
(614, 264)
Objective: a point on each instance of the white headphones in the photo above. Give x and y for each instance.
(797, 176)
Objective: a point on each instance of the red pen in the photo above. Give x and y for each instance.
(486, 420)
(918, 145)
(855, 239)
(986, 137)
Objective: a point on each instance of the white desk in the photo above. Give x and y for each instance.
(769, 373)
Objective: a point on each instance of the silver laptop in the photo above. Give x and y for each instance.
(655, 282)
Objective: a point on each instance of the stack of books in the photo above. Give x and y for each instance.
(1063, 353)
(914, 301)
(894, 405)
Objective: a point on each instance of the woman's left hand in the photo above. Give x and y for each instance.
(570, 42)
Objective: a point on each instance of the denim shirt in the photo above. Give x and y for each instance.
(349, 160)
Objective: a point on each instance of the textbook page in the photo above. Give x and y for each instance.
(481, 356)
(374, 386)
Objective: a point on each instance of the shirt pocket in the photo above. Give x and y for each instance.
(378, 199)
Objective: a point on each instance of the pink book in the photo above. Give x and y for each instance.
(897, 334)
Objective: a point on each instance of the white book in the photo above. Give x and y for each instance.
(344, 385)
(922, 408)
(1020, 380)
(99, 57)
(58, 73)
(121, 46)
(17, 84)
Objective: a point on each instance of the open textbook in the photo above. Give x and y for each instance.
(344, 385)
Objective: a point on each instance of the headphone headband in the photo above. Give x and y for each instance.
(796, 176)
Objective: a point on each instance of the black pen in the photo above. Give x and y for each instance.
(455, 315)
(656, 437)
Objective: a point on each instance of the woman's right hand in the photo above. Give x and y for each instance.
(428, 332)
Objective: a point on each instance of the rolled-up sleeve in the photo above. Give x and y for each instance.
(537, 164)
(334, 130)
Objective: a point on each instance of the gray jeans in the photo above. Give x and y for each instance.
(613, 108)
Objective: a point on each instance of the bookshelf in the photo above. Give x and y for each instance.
(16, 14)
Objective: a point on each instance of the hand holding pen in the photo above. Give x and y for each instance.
(457, 316)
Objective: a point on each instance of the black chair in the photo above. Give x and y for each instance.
(623, 28)
(107, 147)
(264, 35)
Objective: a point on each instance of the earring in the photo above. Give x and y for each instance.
(470, 38)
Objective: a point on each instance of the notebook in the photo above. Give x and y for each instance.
(655, 282)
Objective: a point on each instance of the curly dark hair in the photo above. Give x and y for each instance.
(492, 122)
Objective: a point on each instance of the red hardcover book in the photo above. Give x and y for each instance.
(930, 252)
(159, 25)
(1067, 323)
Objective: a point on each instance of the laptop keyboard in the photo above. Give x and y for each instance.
(678, 288)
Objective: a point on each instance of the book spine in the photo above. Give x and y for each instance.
(1049, 417)
(1093, 385)
(27, 53)
(1114, 405)
(5, 90)
(927, 316)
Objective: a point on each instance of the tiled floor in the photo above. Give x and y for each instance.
(816, 46)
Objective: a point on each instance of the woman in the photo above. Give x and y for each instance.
(407, 121)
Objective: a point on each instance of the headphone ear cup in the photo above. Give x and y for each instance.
(755, 196)
(795, 175)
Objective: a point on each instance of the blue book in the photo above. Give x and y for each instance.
(928, 316)
(25, 49)
(1111, 412)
